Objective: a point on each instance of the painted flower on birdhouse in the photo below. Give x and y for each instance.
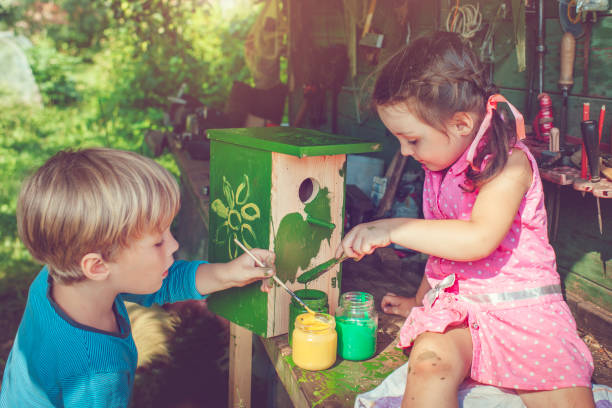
(237, 214)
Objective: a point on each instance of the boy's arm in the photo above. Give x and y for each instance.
(197, 279)
(98, 390)
(237, 272)
(180, 284)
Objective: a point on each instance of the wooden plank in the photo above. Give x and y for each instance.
(591, 318)
(278, 349)
(240, 358)
(588, 290)
(288, 173)
(580, 249)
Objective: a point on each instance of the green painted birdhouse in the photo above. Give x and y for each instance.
(282, 189)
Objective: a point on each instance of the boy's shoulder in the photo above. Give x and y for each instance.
(50, 339)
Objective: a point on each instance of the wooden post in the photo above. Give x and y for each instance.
(240, 358)
(393, 176)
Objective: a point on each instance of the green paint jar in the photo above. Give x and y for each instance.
(356, 324)
(313, 298)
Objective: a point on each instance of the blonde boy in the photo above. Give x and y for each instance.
(99, 220)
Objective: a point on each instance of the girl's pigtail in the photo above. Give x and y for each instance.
(502, 136)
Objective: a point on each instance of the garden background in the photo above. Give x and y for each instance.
(104, 69)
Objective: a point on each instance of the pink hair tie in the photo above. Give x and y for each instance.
(486, 122)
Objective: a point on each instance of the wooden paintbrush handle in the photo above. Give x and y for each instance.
(568, 51)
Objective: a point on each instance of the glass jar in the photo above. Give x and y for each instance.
(315, 299)
(314, 341)
(356, 323)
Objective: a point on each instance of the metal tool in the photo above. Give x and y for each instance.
(566, 81)
(540, 46)
(487, 55)
(263, 265)
(317, 271)
(591, 143)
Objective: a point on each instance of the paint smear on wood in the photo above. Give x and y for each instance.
(297, 241)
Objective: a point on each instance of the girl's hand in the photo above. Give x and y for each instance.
(245, 270)
(363, 239)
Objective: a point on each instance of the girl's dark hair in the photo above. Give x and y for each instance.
(437, 76)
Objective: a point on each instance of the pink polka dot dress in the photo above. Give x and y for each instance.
(523, 334)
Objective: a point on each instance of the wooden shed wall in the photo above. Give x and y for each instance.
(584, 256)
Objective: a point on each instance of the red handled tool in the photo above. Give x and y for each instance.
(591, 142)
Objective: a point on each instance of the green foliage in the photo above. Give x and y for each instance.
(86, 21)
(150, 49)
(52, 70)
(10, 13)
(75, 26)
(156, 46)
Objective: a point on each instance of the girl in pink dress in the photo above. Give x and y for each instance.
(490, 305)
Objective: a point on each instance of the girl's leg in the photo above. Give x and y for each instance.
(578, 397)
(400, 305)
(438, 363)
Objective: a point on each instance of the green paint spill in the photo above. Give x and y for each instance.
(297, 242)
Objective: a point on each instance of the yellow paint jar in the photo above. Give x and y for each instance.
(314, 341)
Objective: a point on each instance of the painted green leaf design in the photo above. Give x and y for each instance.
(234, 219)
(248, 236)
(228, 193)
(250, 212)
(232, 248)
(219, 208)
(222, 233)
(242, 192)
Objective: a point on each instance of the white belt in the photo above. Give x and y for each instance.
(492, 298)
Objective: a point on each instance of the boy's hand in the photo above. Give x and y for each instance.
(363, 239)
(245, 270)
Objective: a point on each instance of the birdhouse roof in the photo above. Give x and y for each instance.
(293, 141)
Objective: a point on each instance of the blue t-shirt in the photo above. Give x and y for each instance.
(58, 362)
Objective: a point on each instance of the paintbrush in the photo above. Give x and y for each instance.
(263, 265)
(317, 271)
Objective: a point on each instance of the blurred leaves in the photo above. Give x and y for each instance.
(105, 69)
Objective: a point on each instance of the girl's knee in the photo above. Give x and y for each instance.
(429, 363)
(436, 356)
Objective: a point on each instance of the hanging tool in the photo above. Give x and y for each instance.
(566, 81)
(531, 25)
(466, 20)
(393, 175)
(540, 46)
(591, 143)
(368, 21)
(487, 55)
(570, 23)
(586, 108)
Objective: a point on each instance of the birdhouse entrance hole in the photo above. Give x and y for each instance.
(309, 188)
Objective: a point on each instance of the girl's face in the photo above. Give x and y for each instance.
(142, 267)
(429, 146)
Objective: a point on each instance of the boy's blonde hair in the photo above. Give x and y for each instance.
(92, 200)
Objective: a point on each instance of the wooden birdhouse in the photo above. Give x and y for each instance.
(282, 189)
